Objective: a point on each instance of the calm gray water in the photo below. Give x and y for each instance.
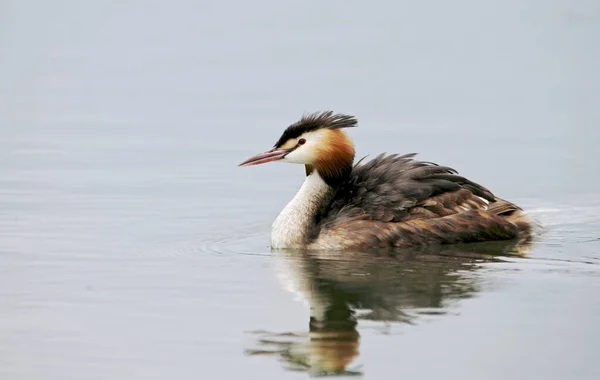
(133, 247)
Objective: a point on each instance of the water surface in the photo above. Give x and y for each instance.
(132, 247)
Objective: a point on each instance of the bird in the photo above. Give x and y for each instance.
(391, 201)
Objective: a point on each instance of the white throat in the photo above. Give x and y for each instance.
(290, 229)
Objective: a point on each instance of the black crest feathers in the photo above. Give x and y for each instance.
(315, 121)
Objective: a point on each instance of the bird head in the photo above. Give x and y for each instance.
(318, 141)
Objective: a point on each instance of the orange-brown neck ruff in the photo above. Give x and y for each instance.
(335, 158)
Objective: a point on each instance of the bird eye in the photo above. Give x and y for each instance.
(301, 141)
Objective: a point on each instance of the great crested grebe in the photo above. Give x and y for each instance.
(390, 201)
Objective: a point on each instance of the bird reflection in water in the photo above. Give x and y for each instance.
(343, 288)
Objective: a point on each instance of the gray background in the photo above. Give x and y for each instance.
(131, 245)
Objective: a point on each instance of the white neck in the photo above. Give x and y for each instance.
(290, 229)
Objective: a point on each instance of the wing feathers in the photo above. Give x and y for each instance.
(395, 200)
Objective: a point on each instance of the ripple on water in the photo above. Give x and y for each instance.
(243, 240)
(569, 233)
(570, 229)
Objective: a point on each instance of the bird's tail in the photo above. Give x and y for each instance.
(526, 226)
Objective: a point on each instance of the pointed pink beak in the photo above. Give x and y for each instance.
(268, 156)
